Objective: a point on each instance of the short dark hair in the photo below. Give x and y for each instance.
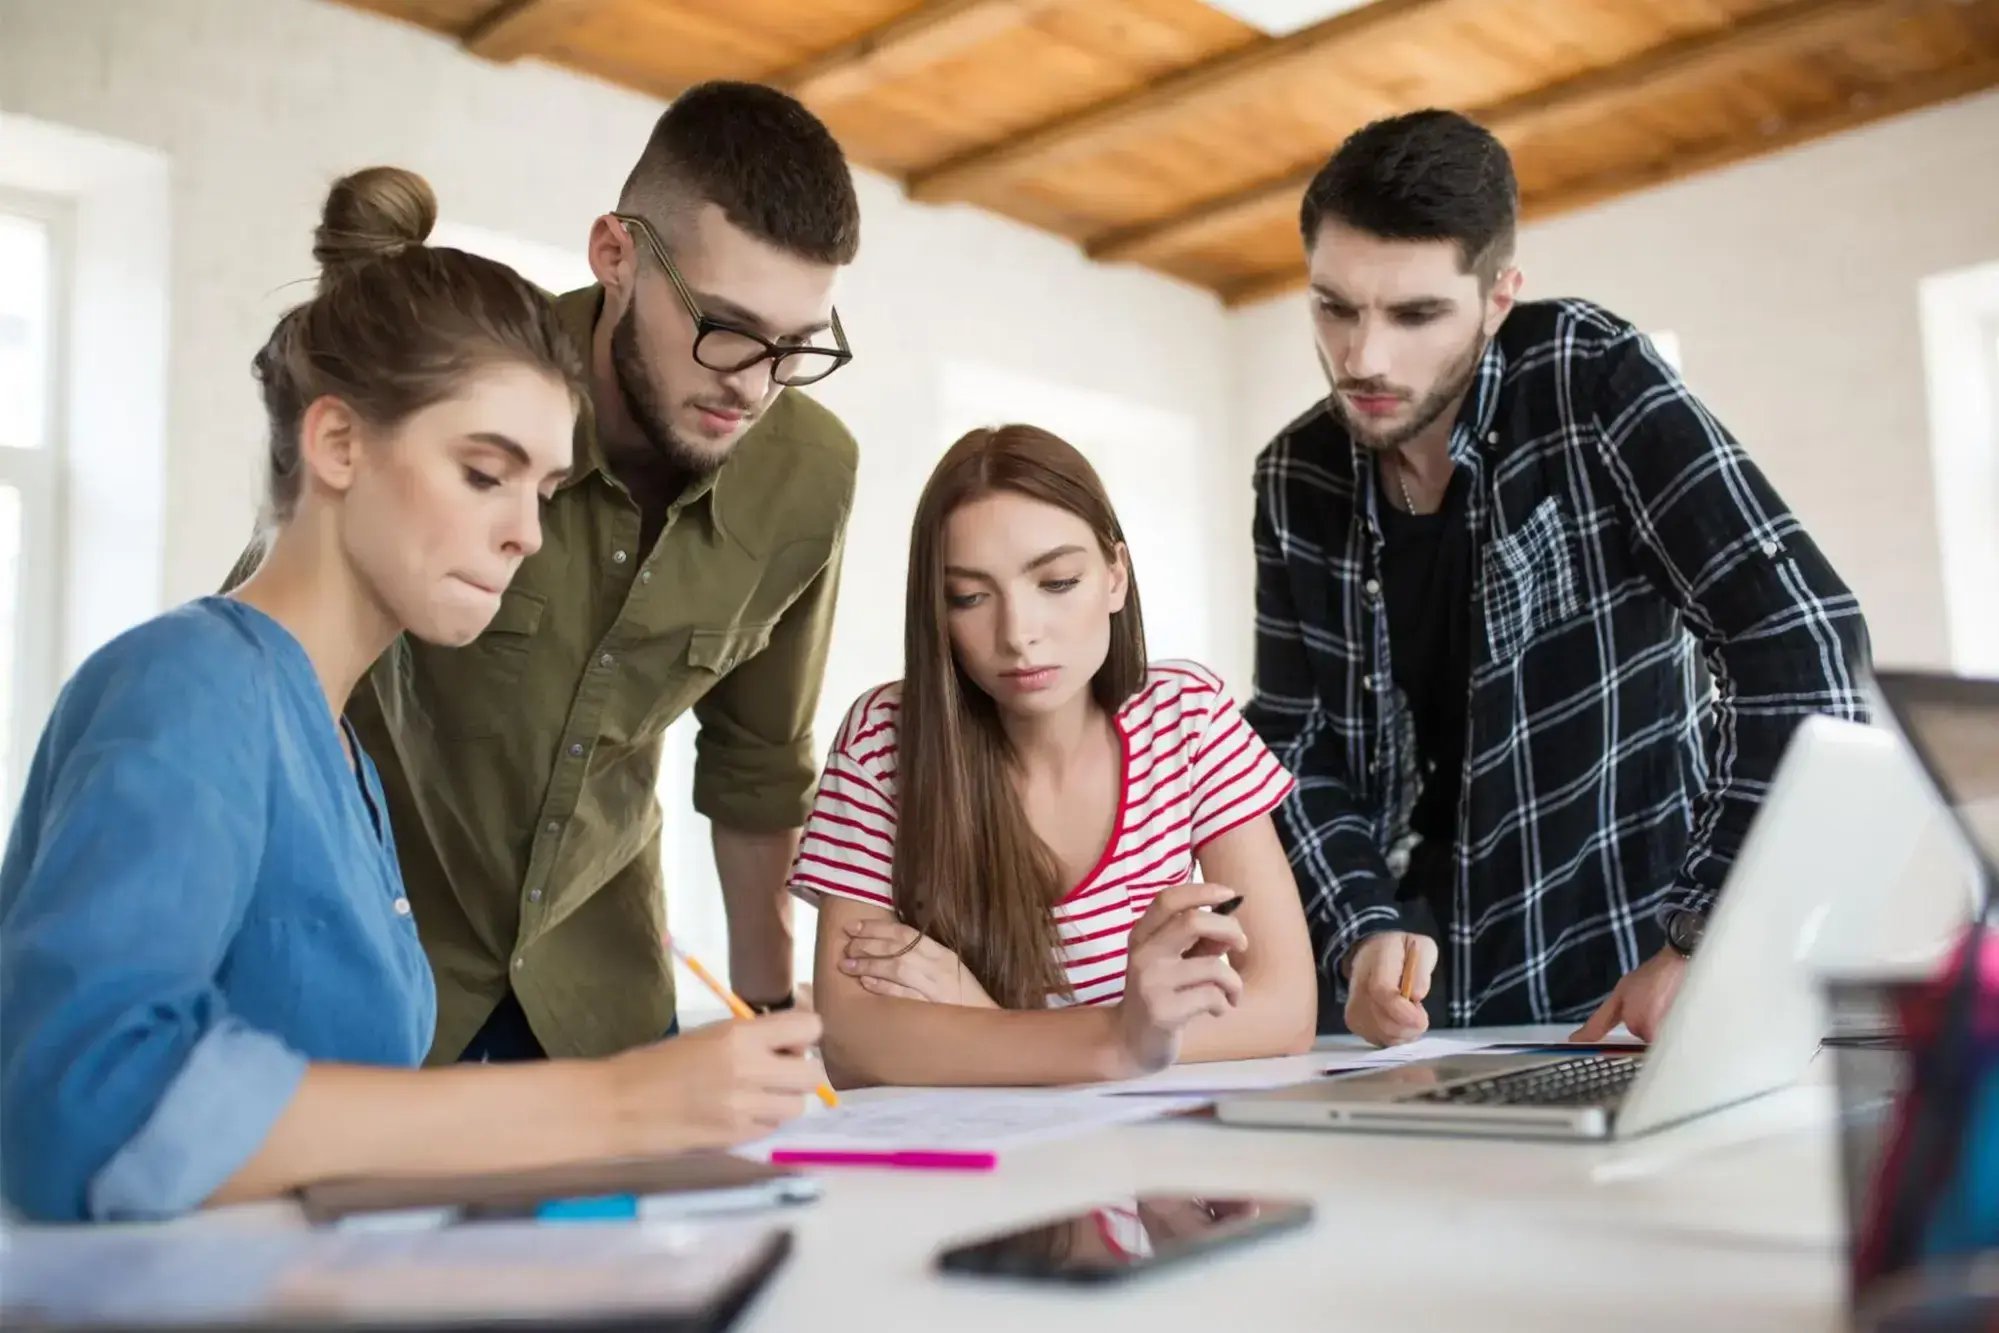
(1425, 176)
(770, 165)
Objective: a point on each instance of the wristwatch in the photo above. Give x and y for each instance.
(1684, 929)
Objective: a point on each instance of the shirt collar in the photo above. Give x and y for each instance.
(1473, 430)
(576, 312)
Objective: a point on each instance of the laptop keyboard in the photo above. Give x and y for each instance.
(1590, 1080)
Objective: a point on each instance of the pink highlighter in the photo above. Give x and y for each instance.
(899, 1159)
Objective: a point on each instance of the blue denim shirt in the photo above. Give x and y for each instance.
(199, 897)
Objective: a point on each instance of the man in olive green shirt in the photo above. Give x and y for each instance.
(690, 561)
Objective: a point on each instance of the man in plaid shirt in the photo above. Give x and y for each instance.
(1491, 566)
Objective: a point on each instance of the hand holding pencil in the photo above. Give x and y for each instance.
(1390, 975)
(714, 1087)
(735, 1004)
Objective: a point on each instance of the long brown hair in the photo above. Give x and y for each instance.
(396, 325)
(969, 871)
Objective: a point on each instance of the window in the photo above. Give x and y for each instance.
(1960, 318)
(32, 266)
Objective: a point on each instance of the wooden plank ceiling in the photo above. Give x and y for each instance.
(1168, 134)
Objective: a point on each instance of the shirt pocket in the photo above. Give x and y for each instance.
(475, 691)
(712, 653)
(1530, 582)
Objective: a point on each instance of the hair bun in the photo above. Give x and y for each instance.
(376, 213)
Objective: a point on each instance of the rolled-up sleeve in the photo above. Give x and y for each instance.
(754, 763)
(127, 1088)
(235, 1084)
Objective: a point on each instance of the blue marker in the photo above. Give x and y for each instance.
(600, 1208)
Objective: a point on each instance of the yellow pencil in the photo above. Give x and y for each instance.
(1409, 975)
(735, 1003)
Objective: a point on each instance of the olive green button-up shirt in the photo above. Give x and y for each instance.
(521, 769)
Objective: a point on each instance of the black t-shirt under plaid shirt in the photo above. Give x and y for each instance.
(1617, 529)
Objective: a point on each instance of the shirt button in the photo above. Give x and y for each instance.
(402, 907)
(534, 896)
(645, 576)
(1374, 587)
(576, 750)
(1769, 549)
(1492, 437)
(605, 660)
(519, 963)
(551, 827)
(619, 557)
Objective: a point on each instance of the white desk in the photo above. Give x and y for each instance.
(1730, 1222)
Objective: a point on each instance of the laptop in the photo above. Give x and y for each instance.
(1952, 725)
(1848, 817)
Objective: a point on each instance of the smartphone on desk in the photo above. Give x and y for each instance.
(1123, 1239)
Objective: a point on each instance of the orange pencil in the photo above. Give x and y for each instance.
(1409, 975)
(735, 1003)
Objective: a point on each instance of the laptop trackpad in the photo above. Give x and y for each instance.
(1395, 1082)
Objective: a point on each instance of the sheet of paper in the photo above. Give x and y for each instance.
(1217, 1076)
(1223, 1076)
(962, 1120)
(1423, 1048)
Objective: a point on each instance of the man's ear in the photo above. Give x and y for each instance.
(614, 261)
(1500, 300)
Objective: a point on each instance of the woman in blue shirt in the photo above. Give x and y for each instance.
(212, 984)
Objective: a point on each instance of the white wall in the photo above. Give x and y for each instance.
(1792, 283)
(258, 106)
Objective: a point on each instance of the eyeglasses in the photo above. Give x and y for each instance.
(727, 349)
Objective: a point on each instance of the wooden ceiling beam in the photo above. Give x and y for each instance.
(1189, 94)
(516, 28)
(1943, 85)
(928, 35)
(1803, 25)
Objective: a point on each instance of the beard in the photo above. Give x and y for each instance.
(684, 458)
(1451, 385)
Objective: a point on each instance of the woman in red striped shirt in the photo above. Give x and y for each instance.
(1004, 845)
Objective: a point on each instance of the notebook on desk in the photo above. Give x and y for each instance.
(680, 1184)
(519, 1276)
(1834, 834)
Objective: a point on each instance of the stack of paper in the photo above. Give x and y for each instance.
(987, 1120)
(961, 1120)
(1217, 1077)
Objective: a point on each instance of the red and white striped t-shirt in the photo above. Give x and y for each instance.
(1192, 768)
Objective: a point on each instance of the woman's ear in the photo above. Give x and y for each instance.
(1120, 577)
(329, 441)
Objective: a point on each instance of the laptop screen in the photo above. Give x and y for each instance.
(1953, 726)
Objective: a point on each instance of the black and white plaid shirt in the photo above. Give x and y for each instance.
(1617, 527)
